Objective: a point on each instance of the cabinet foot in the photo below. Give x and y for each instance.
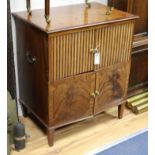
(121, 110)
(50, 135)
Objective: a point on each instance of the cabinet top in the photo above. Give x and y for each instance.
(73, 17)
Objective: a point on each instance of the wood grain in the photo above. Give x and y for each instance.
(135, 7)
(111, 83)
(58, 79)
(32, 94)
(71, 99)
(72, 51)
(72, 17)
(139, 65)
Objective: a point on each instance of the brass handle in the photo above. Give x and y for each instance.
(97, 93)
(93, 95)
(94, 50)
(30, 59)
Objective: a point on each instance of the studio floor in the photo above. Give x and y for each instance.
(83, 137)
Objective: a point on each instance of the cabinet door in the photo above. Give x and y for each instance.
(70, 99)
(114, 44)
(111, 86)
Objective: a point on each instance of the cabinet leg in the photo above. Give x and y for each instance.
(50, 135)
(121, 110)
(24, 110)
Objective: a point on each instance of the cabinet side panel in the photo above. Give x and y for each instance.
(32, 68)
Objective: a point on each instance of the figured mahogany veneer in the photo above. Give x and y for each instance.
(58, 80)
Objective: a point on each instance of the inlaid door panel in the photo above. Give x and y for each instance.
(70, 99)
(111, 86)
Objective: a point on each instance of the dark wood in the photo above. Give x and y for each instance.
(136, 7)
(47, 11)
(50, 136)
(139, 68)
(71, 17)
(11, 77)
(112, 84)
(58, 80)
(28, 6)
(74, 102)
(139, 65)
(118, 4)
(141, 9)
(47, 7)
(121, 108)
(24, 110)
(33, 77)
(138, 80)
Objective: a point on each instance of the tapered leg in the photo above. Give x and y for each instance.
(121, 110)
(50, 134)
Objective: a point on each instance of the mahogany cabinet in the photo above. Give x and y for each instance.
(76, 66)
(139, 65)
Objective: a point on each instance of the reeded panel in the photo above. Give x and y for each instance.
(70, 54)
(114, 44)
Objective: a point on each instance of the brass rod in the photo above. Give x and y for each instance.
(141, 108)
(139, 102)
(28, 6)
(134, 98)
(47, 11)
(87, 3)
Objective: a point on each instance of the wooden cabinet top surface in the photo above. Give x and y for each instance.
(73, 16)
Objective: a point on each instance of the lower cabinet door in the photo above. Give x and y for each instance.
(70, 99)
(111, 86)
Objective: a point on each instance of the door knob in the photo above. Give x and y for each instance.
(97, 92)
(93, 95)
(94, 50)
(31, 59)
